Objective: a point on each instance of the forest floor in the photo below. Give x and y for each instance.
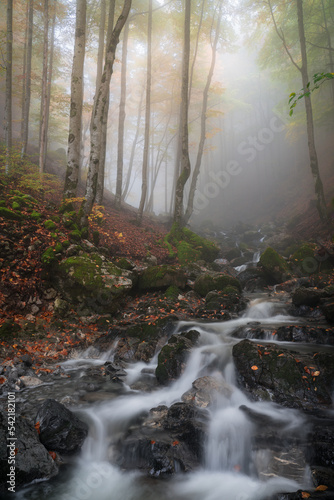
(23, 286)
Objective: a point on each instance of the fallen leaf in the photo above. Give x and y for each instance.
(254, 367)
(175, 443)
(305, 494)
(37, 427)
(53, 455)
(316, 374)
(321, 487)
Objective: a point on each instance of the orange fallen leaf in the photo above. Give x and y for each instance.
(280, 355)
(37, 427)
(254, 367)
(305, 494)
(152, 442)
(316, 374)
(321, 487)
(175, 443)
(53, 455)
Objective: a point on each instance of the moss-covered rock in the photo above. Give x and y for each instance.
(6, 213)
(172, 292)
(190, 246)
(92, 281)
(35, 215)
(2, 203)
(215, 281)
(303, 258)
(160, 277)
(124, 263)
(274, 266)
(50, 225)
(49, 257)
(75, 235)
(9, 328)
(16, 205)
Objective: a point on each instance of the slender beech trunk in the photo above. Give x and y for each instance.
(203, 121)
(49, 82)
(75, 124)
(330, 48)
(24, 70)
(9, 70)
(121, 120)
(319, 190)
(99, 108)
(133, 148)
(27, 81)
(104, 126)
(44, 93)
(185, 161)
(147, 116)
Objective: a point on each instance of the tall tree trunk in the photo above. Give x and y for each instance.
(44, 93)
(133, 148)
(104, 126)
(27, 81)
(49, 82)
(185, 161)
(24, 71)
(9, 70)
(319, 190)
(147, 115)
(203, 120)
(75, 124)
(101, 98)
(121, 120)
(330, 48)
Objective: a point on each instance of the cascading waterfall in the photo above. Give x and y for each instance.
(230, 467)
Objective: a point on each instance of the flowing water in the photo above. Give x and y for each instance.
(232, 468)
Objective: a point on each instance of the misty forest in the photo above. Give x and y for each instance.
(167, 249)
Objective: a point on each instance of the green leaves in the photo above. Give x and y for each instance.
(318, 79)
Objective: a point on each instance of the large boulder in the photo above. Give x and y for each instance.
(161, 277)
(93, 282)
(305, 334)
(167, 441)
(292, 379)
(60, 430)
(208, 282)
(31, 459)
(173, 356)
(274, 266)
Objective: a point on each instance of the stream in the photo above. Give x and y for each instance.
(232, 468)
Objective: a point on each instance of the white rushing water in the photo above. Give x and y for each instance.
(230, 468)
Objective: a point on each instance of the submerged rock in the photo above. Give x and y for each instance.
(173, 356)
(60, 430)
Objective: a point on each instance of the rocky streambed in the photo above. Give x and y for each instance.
(237, 409)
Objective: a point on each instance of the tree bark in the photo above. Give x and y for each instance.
(9, 70)
(27, 81)
(44, 93)
(185, 160)
(121, 120)
(319, 190)
(147, 116)
(104, 125)
(75, 123)
(49, 81)
(203, 121)
(101, 99)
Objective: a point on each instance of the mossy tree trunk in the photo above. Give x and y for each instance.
(99, 109)
(185, 160)
(216, 30)
(121, 120)
(74, 136)
(147, 116)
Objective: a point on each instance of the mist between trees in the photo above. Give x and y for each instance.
(175, 107)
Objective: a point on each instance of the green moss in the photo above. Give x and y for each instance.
(159, 277)
(16, 205)
(9, 328)
(96, 238)
(304, 252)
(48, 257)
(2, 203)
(84, 233)
(75, 235)
(66, 243)
(9, 214)
(35, 215)
(124, 263)
(172, 292)
(273, 263)
(50, 225)
(187, 253)
(58, 248)
(66, 206)
(55, 219)
(190, 246)
(218, 281)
